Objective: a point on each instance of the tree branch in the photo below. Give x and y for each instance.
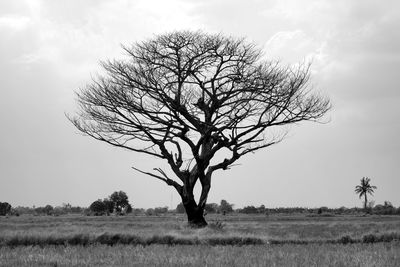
(165, 179)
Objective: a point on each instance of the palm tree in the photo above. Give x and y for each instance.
(365, 188)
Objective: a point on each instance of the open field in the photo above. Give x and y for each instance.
(280, 227)
(233, 240)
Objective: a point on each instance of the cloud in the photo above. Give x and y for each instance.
(72, 36)
(14, 22)
(294, 46)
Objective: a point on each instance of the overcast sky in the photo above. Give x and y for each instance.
(49, 49)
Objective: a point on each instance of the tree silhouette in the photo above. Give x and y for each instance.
(365, 188)
(198, 101)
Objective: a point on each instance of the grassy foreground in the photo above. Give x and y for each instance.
(234, 240)
(379, 254)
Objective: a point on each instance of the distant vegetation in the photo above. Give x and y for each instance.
(117, 203)
(102, 207)
(46, 210)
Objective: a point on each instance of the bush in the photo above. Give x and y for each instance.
(98, 208)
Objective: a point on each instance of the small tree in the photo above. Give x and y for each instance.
(365, 188)
(225, 207)
(98, 207)
(5, 208)
(120, 200)
(198, 101)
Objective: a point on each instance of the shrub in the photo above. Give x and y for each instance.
(98, 208)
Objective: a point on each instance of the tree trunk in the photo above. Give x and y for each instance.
(195, 214)
(365, 202)
(195, 210)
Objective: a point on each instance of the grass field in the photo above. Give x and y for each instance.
(382, 254)
(232, 240)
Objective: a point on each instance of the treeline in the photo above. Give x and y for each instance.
(45, 210)
(385, 209)
(118, 204)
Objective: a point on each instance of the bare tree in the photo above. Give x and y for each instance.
(190, 98)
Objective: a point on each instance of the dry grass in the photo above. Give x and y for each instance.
(244, 226)
(236, 240)
(382, 254)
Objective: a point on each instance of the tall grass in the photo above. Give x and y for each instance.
(382, 254)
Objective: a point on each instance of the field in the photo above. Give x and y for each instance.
(232, 240)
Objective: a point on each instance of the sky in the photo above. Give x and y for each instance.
(49, 49)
